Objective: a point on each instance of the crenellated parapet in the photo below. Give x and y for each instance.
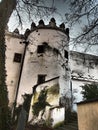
(51, 25)
(41, 25)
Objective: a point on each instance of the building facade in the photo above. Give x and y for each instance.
(39, 63)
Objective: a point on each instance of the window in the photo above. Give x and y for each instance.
(17, 57)
(40, 49)
(41, 79)
(66, 54)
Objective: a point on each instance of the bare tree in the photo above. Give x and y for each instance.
(84, 13)
(29, 7)
(6, 8)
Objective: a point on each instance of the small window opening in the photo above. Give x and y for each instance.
(17, 57)
(41, 49)
(41, 79)
(66, 54)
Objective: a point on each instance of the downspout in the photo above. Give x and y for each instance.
(20, 74)
(71, 94)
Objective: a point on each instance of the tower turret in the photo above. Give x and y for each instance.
(46, 64)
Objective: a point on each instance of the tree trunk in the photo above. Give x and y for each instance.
(6, 9)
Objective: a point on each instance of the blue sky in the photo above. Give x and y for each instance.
(62, 8)
(59, 16)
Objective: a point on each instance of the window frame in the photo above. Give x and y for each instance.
(40, 49)
(41, 78)
(66, 54)
(17, 57)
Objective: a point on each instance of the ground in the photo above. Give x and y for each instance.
(30, 127)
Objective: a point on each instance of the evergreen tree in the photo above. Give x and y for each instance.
(90, 91)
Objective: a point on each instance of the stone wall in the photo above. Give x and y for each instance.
(45, 104)
(84, 67)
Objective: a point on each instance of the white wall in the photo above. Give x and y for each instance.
(58, 115)
(53, 112)
(84, 70)
(84, 66)
(13, 68)
(49, 63)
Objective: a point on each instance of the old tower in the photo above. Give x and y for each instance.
(44, 67)
(46, 57)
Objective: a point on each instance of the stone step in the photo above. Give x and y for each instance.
(71, 126)
(67, 128)
(72, 117)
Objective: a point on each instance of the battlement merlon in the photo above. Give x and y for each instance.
(51, 25)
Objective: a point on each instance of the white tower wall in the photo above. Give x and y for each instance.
(51, 62)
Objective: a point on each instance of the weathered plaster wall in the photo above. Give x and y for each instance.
(84, 66)
(13, 68)
(48, 63)
(58, 115)
(53, 113)
(84, 69)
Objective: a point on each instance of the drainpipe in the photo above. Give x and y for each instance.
(71, 94)
(21, 68)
